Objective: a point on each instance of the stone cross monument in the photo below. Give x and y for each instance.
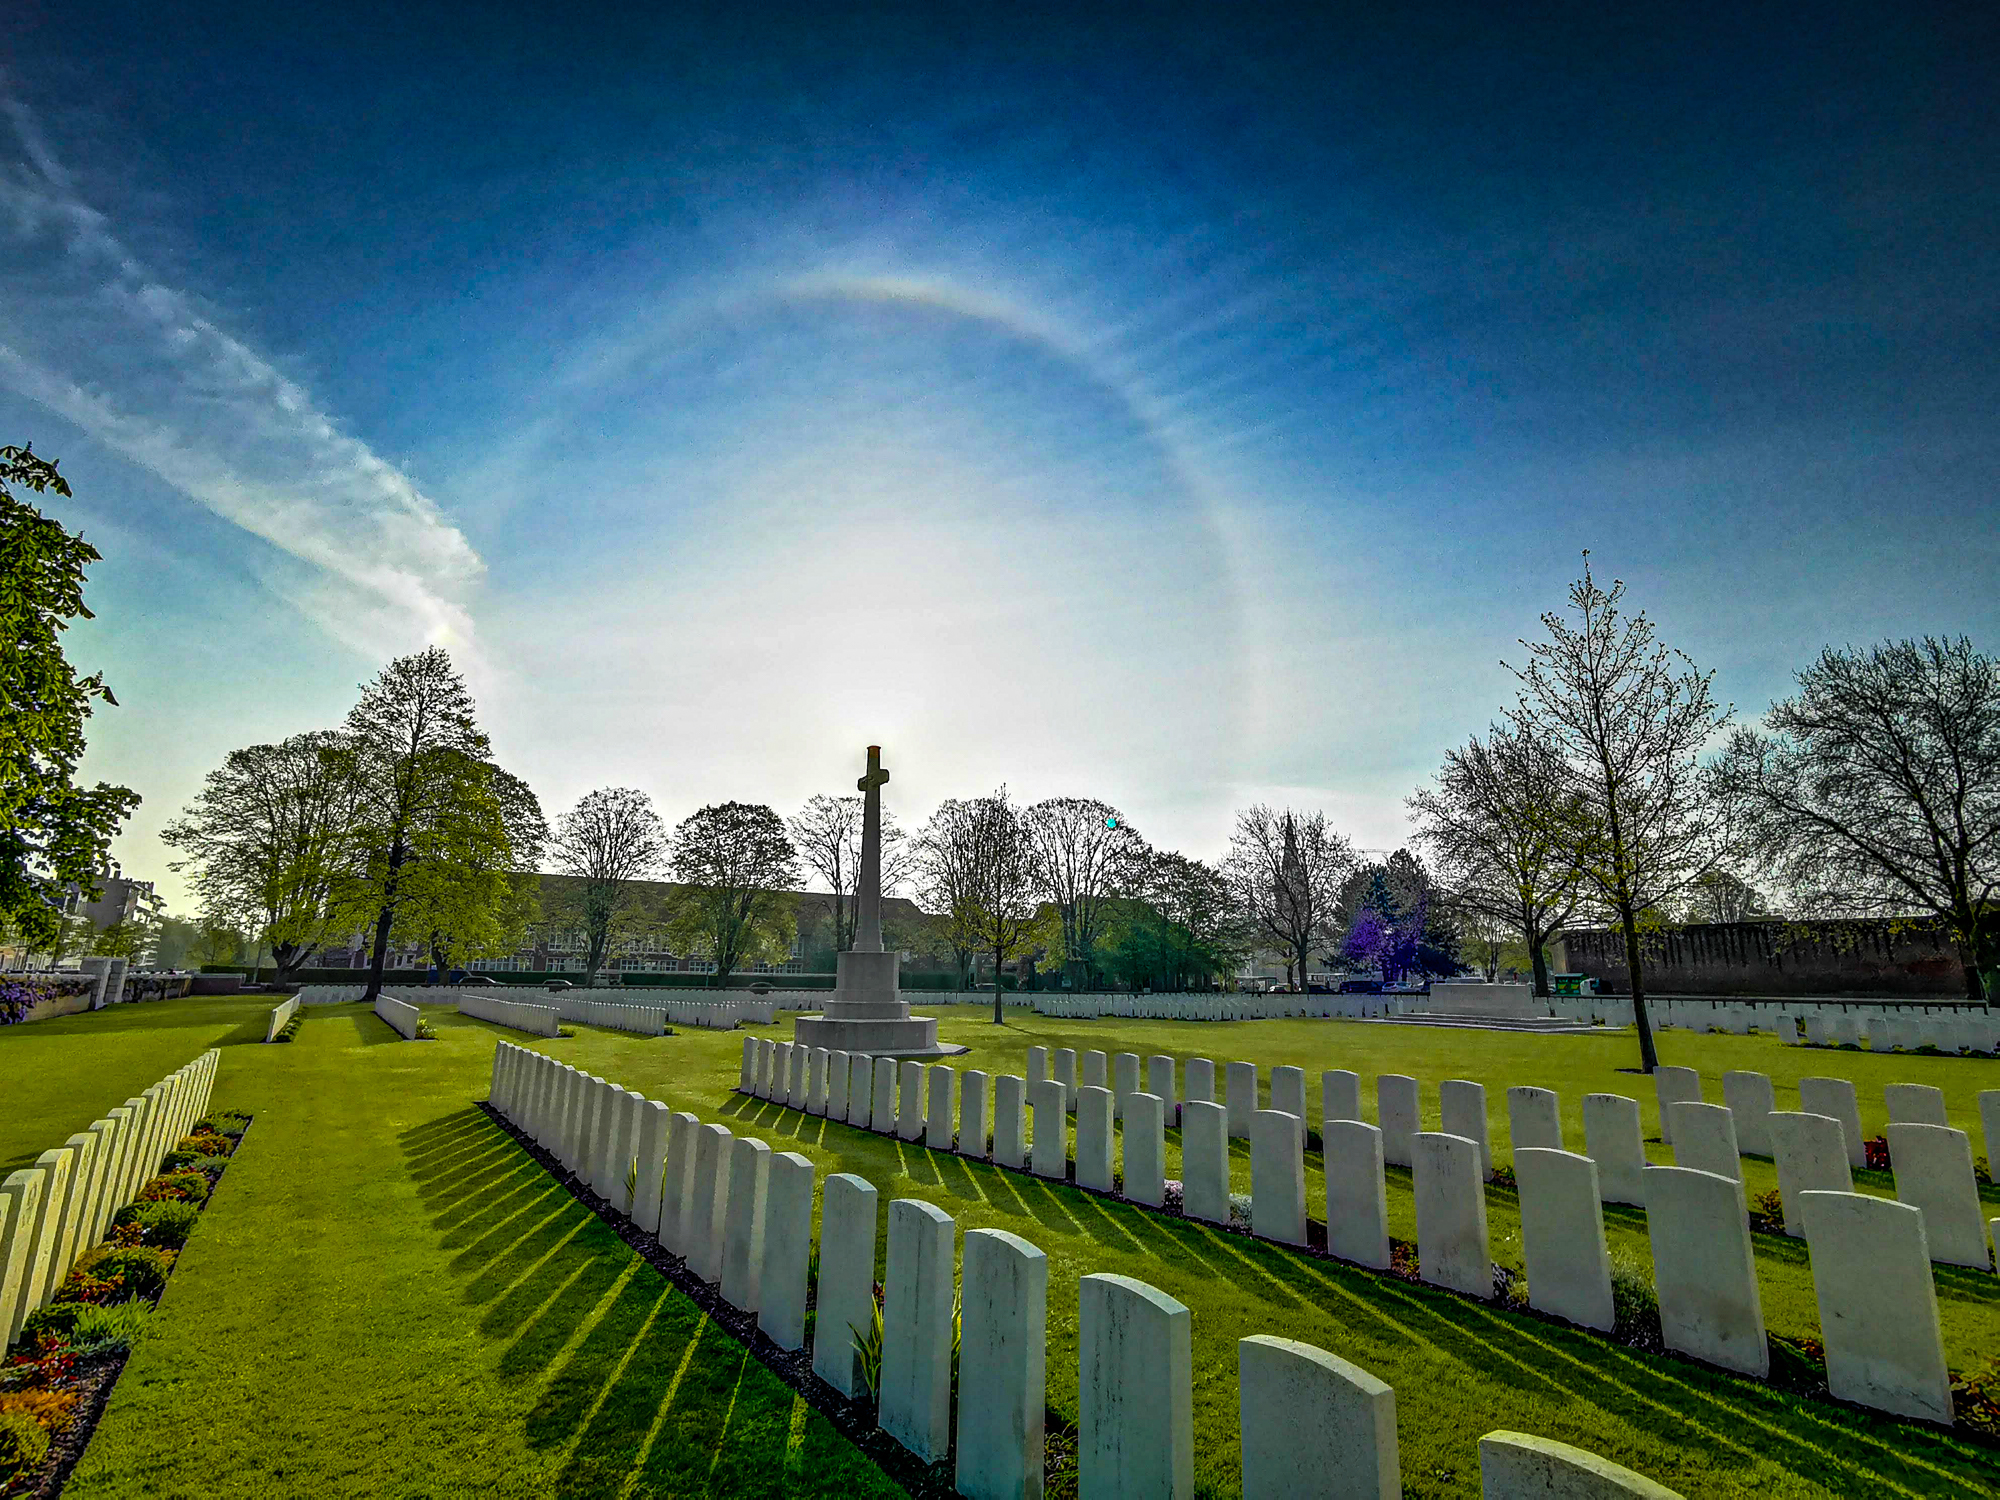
(867, 1012)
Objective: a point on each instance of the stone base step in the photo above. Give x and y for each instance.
(1490, 1023)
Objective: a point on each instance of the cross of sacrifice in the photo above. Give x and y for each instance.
(876, 775)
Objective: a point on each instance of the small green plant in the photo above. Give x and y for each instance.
(565, 1031)
(1635, 1306)
(424, 1033)
(166, 1225)
(142, 1268)
(109, 1330)
(632, 1182)
(23, 1443)
(868, 1349)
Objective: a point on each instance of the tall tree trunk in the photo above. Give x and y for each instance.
(1649, 1058)
(380, 955)
(998, 1013)
(1541, 961)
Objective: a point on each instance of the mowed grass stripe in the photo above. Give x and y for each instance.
(389, 1298)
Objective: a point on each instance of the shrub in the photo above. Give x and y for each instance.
(206, 1143)
(1635, 1306)
(165, 1224)
(175, 1187)
(227, 1122)
(109, 1330)
(87, 1285)
(868, 1346)
(1767, 1212)
(23, 1443)
(142, 1268)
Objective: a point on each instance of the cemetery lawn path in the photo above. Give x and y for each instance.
(388, 1298)
(1459, 1369)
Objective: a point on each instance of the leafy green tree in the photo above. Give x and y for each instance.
(973, 860)
(433, 820)
(53, 833)
(609, 842)
(131, 939)
(271, 844)
(1083, 856)
(470, 890)
(1182, 931)
(735, 867)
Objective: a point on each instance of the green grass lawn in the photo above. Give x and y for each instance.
(386, 1297)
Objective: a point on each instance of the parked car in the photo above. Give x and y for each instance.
(1360, 986)
(484, 980)
(560, 984)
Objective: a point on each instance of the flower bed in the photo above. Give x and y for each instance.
(54, 1385)
(20, 994)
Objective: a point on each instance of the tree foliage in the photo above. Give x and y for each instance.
(609, 841)
(736, 866)
(53, 833)
(1876, 789)
(1082, 855)
(1285, 870)
(974, 865)
(270, 844)
(1390, 919)
(1497, 825)
(1181, 931)
(1627, 719)
(827, 835)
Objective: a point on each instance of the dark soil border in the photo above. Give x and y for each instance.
(96, 1378)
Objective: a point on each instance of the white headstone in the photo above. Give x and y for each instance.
(1051, 1138)
(1010, 1121)
(1038, 1064)
(1339, 1097)
(972, 1097)
(882, 1101)
(816, 1064)
(1145, 1149)
(1093, 1137)
(1160, 1082)
(1703, 1270)
(1278, 1176)
(781, 1281)
(937, 1108)
(1096, 1071)
(652, 1155)
(1515, 1466)
(1915, 1104)
(1750, 1099)
(743, 1227)
(1205, 1161)
(1933, 1167)
(838, 1067)
(910, 1101)
(1452, 1246)
(1312, 1424)
(1562, 1236)
(1288, 1092)
(707, 1213)
(1462, 1112)
(20, 1212)
(1674, 1086)
(1200, 1086)
(860, 1089)
(1878, 1309)
(677, 1187)
(1002, 1381)
(1357, 1209)
(917, 1280)
(1705, 1139)
(846, 1290)
(1135, 1392)
(1534, 1119)
(1397, 1110)
(1812, 1158)
(1241, 1097)
(1834, 1098)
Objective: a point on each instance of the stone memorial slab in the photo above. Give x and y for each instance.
(1160, 1083)
(1002, 1379)
(1357, 1207)
(846, 1290)
(1093, 1137)
(1452, 1248)
(910, 1101)
(1399, 1113)
(1703, 1270)
(1135, 1391)
(743, 1228)
(1834, 1098)
(1240, 1094)
(1200, 1085)
(1811, 1154)
(882, 1110)
(1674, 1086)
(1534, 1119)
(787, 1257)
(1010, 1120)
(1562, 1236)
(1462, 1112)
(1288, 1092)
(817, 1059)
(1205, 1161)
(651, 1151)
(1878, 1307)
(1705, 1139)
(1124, 1080)
(1339, 1096)
(1312, 1424)
(1096, 1071)
(1933, 1167)
(972, 1114)
(839, 1067)
(937, 1108)
(1050, 1147)
(917, 1282)
(1278, 1176)
(1515, 1466)
(1146, 1149)
(1915, 1104)
(1750, 1099)
(707, 1212)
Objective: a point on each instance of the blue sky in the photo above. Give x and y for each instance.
(1175, 406)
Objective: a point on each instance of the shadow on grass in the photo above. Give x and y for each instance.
(634, 1387)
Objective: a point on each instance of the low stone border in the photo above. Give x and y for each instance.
(853, 1420)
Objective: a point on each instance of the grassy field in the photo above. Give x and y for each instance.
(387, 1298)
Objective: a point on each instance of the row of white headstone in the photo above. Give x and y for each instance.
(1887, 1027)
(403, 1017)
(612, 1015)
(281, 1017)
(53, 1211)
(740, 1216)
(1232, 1007)
(521, 1015)
(1870, 1257)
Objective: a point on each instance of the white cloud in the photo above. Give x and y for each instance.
(88, 331)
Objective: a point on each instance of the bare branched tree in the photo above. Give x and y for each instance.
(1083, 854)
(1627, 718)
(1286, 870)
(827, 835)
(972, 863)
(609, 841)
(1493, 824)
(1877, 789)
